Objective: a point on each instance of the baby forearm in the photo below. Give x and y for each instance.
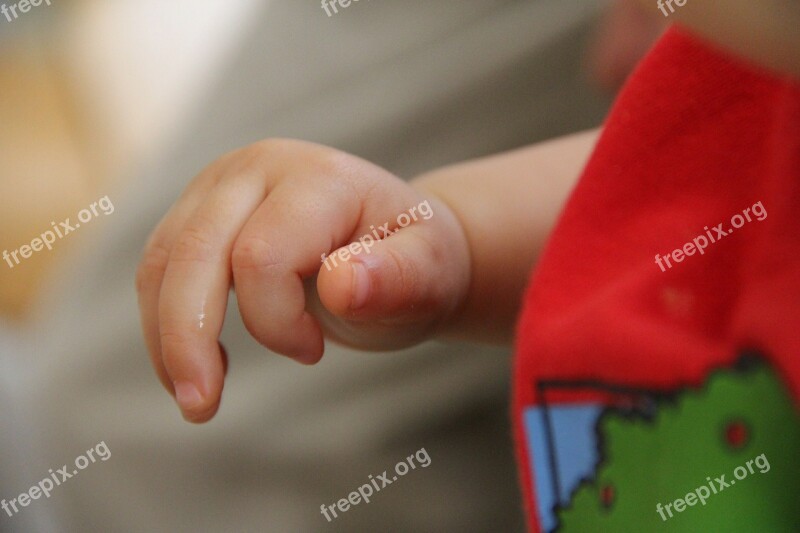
(507, 205)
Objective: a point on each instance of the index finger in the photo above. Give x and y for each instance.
(194, 292)
(150, 272)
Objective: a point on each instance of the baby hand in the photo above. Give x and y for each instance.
(261, 220)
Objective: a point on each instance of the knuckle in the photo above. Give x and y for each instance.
(152, 266)
(285, 154)
(256, 155)
(173, 342)
(194, 244)
(271, 146)
(252, 252)
(405, 274)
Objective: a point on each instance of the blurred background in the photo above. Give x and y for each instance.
(130, 100)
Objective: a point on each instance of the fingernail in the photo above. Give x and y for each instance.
(361, 285)
(187, 395)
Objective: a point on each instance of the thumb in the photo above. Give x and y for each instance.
(394, 292)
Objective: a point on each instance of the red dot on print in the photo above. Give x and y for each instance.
(737, 434)
(607, 495)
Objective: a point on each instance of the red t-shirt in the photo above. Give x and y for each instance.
(657, 373)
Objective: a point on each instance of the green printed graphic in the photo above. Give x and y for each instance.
(735, 417)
